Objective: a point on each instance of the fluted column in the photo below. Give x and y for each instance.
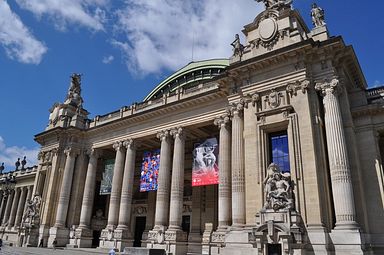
(162, 196)
(177, 186)
(20, 207)
(338, 157)
(225, 196)
(89, 190)
(15, 203)
(118, 170)
(66, 186)
(3, 202)
(127, 189)
(238, 179)
(8, 207)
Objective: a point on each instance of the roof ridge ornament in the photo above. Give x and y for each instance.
(276, 4)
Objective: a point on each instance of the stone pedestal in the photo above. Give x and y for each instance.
(173, 241)
(44, 234)
(29, 237)
(61, 235)
(82, 238)
(347, 242)
(320, 33)
(123, 238)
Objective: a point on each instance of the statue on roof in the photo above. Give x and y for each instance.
(238, 48)
(74, 92)
(2, 167)
(275, 4)
(317, 15)
(17, 164)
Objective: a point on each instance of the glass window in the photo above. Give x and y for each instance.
(279, 153)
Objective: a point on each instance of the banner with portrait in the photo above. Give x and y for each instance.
(149, 170)
(106, 182)
(205, 169)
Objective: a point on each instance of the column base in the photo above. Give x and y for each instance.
(173, 241)
(347, 242)
(61, 235)
(123, 238)
(82, 238)
(43, 235)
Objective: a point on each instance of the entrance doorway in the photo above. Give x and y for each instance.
(139, 230)
(96, 238)
(274, 249)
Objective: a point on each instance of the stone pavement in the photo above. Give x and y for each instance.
(11, 250)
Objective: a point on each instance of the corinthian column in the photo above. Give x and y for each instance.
(126, 192)
(89, 190)
(338, 157)
(15, 203)
(20, 207)
(66, 186)
(238, 180)
(177, 188)
(162, 197)
(225, 172)
(11, 194)
(114, 203)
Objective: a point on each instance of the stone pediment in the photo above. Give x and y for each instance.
(271, 30)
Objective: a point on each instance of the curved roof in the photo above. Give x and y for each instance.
(191, 73)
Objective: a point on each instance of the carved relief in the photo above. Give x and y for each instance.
(274, 99)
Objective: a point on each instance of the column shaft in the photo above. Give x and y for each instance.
(162, 197)
(225, 202)
(15, 203)
(89, 191)
(338, 159)
(2, 203)
(114, 202)
(127, 189)
(177, 188)
(20, 207)
(8, 207)
(238, 179)
(65, 190)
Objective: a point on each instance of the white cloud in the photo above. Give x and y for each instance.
(108, 59)
(160, 34)
(9, 155)
(17, 40)
(87, 13)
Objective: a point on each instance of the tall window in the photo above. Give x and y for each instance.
(279, 154)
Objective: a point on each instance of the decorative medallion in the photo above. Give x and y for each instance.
(267, 29)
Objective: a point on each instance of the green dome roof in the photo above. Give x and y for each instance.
(188, 76)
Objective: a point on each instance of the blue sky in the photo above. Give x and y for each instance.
(125, 48)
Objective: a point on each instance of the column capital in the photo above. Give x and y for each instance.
(69, 151)
(327, 86)
(162, 135)
(222, 121)
(178, 132)
(117, 146)
(238, 107)
(92, 152)
(131, 144)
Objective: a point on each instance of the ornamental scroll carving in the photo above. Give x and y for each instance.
(274, 99)
(295, 86)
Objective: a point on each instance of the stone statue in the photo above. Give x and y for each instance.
(277, 189)
(238, 48)
(23, 163)
(275, 4)
(317, 14)
(74, 92)
(17, 164)
(32, 211)
(2, 168)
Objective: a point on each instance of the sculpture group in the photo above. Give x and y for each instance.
(278, 189)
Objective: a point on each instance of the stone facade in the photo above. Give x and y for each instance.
(285, 79)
